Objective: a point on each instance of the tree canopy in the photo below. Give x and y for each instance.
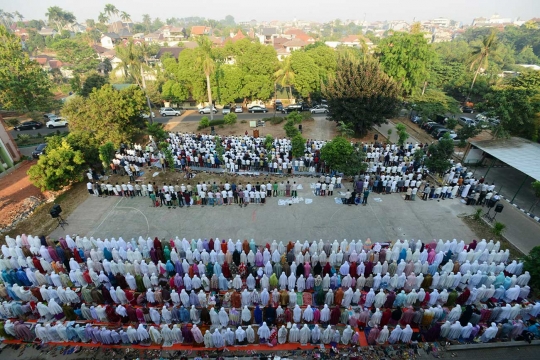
(110, 115)
(23, 84)
(407, 59)
(440, 153)
(94, 81)
(341, 156)
(78, 56)
(361, 94)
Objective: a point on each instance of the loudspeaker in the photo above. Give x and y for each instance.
(499, 208)
(56, 210)
(376, 137)
(300, 127)
(491, 203)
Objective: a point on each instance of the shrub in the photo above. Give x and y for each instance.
(23, 138)
(307, 116)
(12, 122)
(296, 117)
(290, 129)
(268, 142)
(498, 228)
(204, 123)
(274, 120)
(477, 214)
(217, 122)
(243, 121)
(230, 118)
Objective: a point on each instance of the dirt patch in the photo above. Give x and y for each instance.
(484, 231)
(319, 129)
(15, 189)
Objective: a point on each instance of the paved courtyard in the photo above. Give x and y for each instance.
(388, 219)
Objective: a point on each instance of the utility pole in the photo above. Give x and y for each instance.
(150, 115)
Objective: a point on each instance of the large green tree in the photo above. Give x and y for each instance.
(77, 55)
(59, 17)
(110, 115)
(361, 94)
(306, 78)
(298, 144)
(407, 59)
(325, 59)
(94, 81)
(341, 156)
(23, 84)
(439, 155)
(481, 53)
(59, 167)
(434, 102)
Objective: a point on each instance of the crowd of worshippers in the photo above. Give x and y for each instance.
(205, 193)
(166, 291)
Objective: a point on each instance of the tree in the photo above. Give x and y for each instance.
(103, 18)
(110, 10)
(111, 115)
(208, 66)
(434, 102)
(94, 81)
(290, 129)
(531, 263)
(440, 153)
(361, 95)
(78, 56)
(402, 134)
(125, 16)
(106, 154)
(23, 84)
(295, 117)
(481, 53)
(168, 154)
(306, 78)
(285, 75)
(298, 144)
(341, 156)
(325, 60)
(59, 167)
(59, 17)
(268, 142)
(156, 131)
(147, 21)
(345, 130)
(467, 132)
(407, 59)
(451, 123)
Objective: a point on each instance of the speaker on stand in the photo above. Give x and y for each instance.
(55, 212)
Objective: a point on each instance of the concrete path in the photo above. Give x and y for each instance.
(389, 219)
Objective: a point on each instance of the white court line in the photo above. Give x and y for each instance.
(147, 223)
(106, 217)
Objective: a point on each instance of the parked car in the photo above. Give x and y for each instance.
(28, 125)
(39, 150)
(147, 115)
(441, 119)
(426, 124)
(257, 109)
(278, 105)
(207, 109)
(238, 109)
(49, 116)
(454, 137)
(291, 108)
(436, 127)
(416, 119)
(319, 110)
(467, 109)
(481, 117)
(226, 109)
(56, 122)
(463, 120)
(440, 132)
(494, 121)
(167, 111)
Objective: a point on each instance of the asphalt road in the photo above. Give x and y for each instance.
(42, 131)
(242, 116)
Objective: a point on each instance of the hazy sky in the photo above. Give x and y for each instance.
(317, 10)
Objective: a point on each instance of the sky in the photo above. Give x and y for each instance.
(317, 10)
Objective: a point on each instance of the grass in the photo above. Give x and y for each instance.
(483, 231)
(40, 222)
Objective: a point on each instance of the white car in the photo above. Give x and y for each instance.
(319, 110)
(169, 112)
(206, 110)
(238, 109)
(56, 122)
(147, 116)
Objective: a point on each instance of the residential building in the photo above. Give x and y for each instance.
(236, 37)
(267, 35)
(174, 51)
(45, 31)
(298, 34)
(173, 33)
(491, 22)
(200, 30)
(442, 22)
(155, 37)
(294, 44)
(108, 40)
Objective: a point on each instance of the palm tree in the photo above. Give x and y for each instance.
(285, 75)
(110, 10)
(125, 16)
(147, 21)
(18, 15)
(54, 14)
(208, 65)
(102, 18)
(481, 53)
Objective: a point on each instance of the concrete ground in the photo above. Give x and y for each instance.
(389, 219)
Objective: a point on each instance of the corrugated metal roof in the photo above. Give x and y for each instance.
(521, 154)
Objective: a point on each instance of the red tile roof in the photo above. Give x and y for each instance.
(200, 30)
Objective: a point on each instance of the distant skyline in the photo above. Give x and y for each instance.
(317, 10)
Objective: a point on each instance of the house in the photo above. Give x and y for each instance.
(45, 31)
(153, 37)
(267, 35)
(294, 44)
(188, 44)
(124, 33)
(357, 41)
(174, 51)
(100, 50)
(216, 41)
(298, 34)
(236, 37)
(282, 53)
(138, 36)
(108, 40)
(173, 33)
(200, 30)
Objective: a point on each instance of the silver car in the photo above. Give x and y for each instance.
(169, 112)
(319, 109)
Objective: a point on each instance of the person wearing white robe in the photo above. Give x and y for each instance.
(217, 339)
(197, 335)
(155, 335)
(347, 335)
(142, 334)
(223, 317)
(208, 342)
(326, 335)
(294, 334)
(406, 334)
(375, 318)
(370, 298)
(305, 335)
(455, 331)
(167, 335)
(228, 337)
(308, 314)
(246, 298)
(325, 314)
(347, 297)
(250, 334)
(194, 315)
(490, 333)
(300, 283)
(54, 308)
(512, 293)
(282, 335)
(291, 281)
(246, 315)
(263, 332)
(240, 334)
(237, 282)
(329, 298)
(395, 335)
(297, 314)
(250, 282)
